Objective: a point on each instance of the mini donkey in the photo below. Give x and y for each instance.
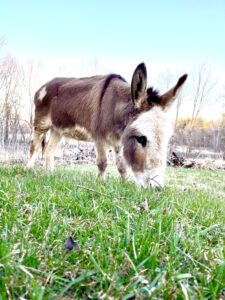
(108, 111)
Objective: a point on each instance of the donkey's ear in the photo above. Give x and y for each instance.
(139, 85)
(168, 98)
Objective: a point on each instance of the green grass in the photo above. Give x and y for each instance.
(174, 250)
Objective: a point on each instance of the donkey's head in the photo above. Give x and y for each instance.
(147, 134)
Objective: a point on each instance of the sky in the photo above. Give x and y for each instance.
(83, 37)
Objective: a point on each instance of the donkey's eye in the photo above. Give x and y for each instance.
(141, 140)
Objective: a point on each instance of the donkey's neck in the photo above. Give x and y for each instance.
(123, 113)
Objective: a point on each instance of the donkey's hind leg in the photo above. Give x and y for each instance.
(101, 159)
(50, 148)
(35, 147)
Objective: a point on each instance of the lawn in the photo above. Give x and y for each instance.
(170, 248)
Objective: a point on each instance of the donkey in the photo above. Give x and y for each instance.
(132, 119)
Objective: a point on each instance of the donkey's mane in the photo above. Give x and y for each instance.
(109, 78)
(153, 96)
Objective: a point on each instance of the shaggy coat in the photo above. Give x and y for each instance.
(112, 113)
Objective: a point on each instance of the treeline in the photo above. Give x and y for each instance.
(201, 137)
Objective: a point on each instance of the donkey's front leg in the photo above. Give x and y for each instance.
(101, 159)
(120, 163)
(50, 148)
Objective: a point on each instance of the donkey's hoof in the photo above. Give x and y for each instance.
(102, 177)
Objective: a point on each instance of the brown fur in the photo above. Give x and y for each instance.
(71, 102)
(134, 153)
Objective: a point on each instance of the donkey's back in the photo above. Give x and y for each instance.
(68, 103)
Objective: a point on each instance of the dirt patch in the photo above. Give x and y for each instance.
(176, 160)
(76, 152)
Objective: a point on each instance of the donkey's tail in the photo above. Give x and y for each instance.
(43, 144)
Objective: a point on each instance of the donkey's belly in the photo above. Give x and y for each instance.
(78, 133)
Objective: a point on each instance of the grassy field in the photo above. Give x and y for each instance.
(172, 249)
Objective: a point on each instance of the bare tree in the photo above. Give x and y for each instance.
(3, 50)
(10, 94)
(202, 90)
(31, 82)
(201, 94)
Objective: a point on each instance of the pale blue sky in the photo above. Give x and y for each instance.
(161, 31)
(79, 38)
